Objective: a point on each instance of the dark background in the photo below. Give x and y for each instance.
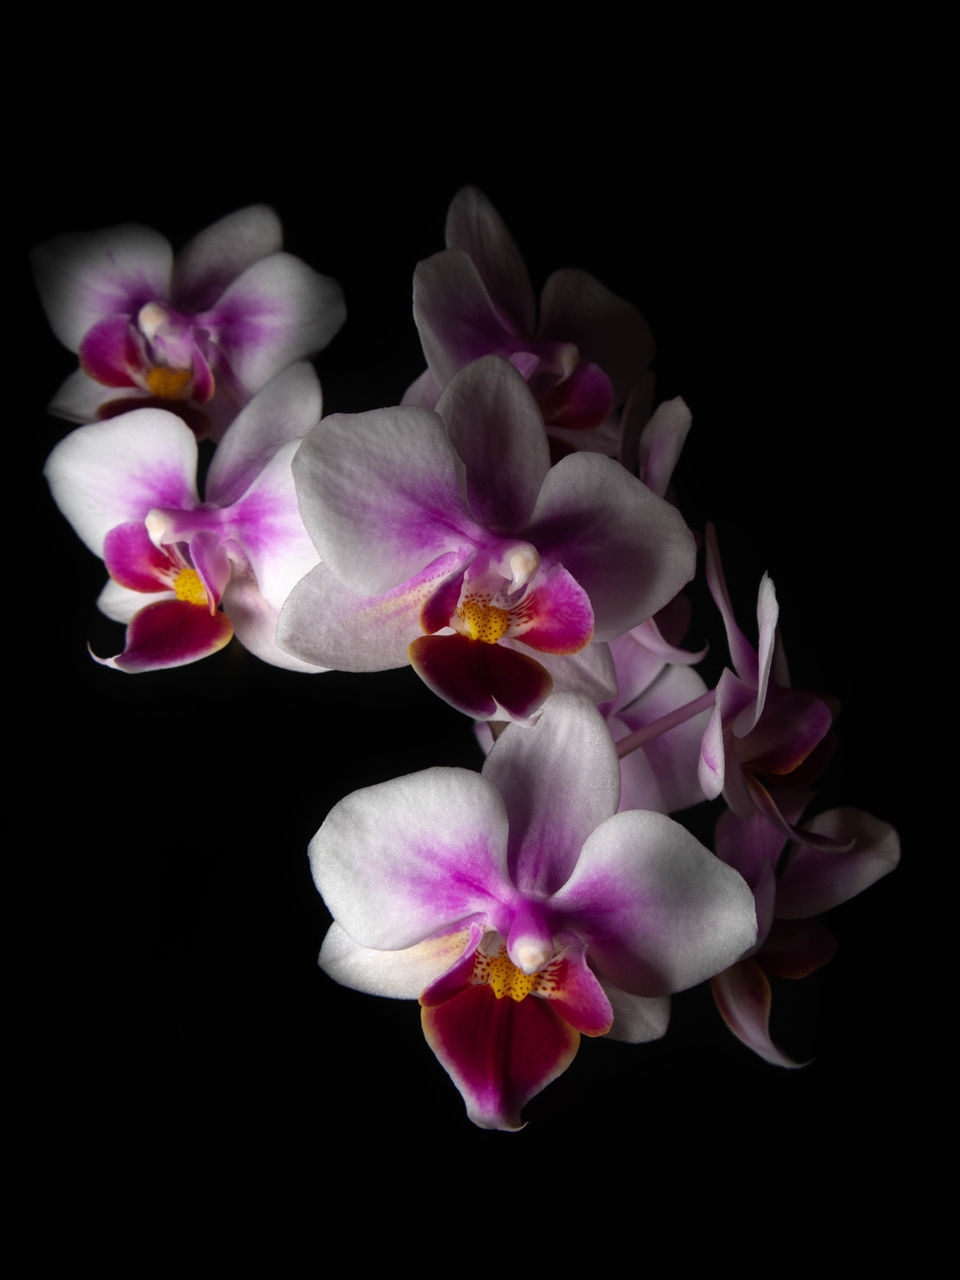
(173, 1003)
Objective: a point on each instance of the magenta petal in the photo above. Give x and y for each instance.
(561, 619)
(111, 353)
(791, 726)
(580, 402)
(574, 990)
(134, 562)
(499, 1053)
(742, 994)
(171, 633)
(486, 681)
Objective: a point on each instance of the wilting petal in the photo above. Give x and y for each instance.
(814, 880)
(495, 426)
(110, 473)
(792, 724)
(82, 278)
(485, 681)
(171, 633)
(559, 780)
(207, 264)
(499, 1053)
(742, 994)
(401, 861)
(474, 226)
(796, 948)
(742, 653)
(279, 311)
(629, 550)
(325, 623)
(659, 912)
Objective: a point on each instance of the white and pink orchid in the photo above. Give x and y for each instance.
(763, 735)
(447, 540)
(129, 488)
(790, 890)
(522, 908)
(581, 355)
(199, 333)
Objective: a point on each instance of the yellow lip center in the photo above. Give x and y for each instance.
(189, 587)
(483, 621)
(503, 976)
(169, 384)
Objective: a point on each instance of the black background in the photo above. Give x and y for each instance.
(169, 979)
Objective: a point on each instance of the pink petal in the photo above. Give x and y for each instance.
(742, 994)
(557, 617)
(112, 353)
(134, 562)
(815, 880)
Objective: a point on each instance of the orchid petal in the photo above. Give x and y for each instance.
(673, 757)
(112, 353)
(255, 625)
(455, 315)
(658, 911)
(791, 726)
(82, 278)
(815, 880)
(402, 975)
(325, 623)
(80, 399)
(266, 522)
(628, 549)
(495, 426)
(214, 257)
(559, 779)
(110, 473)
(742, 994)
(413, 857)
(767, 613)
(134, 562)
(474, 226)
(485, 681)
(499, 1053)
(637, 1019)
(661, 443)
(170, 633)
(286, 409)
(120, 604)
(742, 653)
(422, 393)
(609, 331)
(279, 311)
(381, 494)
(582, 401)
(556, 615)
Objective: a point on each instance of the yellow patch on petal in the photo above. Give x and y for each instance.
(500, 973)
(169, 384)
(189, 587)
(484, 622)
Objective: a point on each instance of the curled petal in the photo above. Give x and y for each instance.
(580, 402)
(499, 1052)
(796, 948)
(814, 880)
(171, 633)
(742, 994)
(742, 653)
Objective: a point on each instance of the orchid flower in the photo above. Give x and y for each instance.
(521, 908)
(128, 487)
(448, 541)
(198, 333)
(762, 733)
(581, 357)
(790, 942)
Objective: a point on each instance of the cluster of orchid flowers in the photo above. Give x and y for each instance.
(505, 530)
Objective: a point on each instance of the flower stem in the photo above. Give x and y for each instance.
(670, 721)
